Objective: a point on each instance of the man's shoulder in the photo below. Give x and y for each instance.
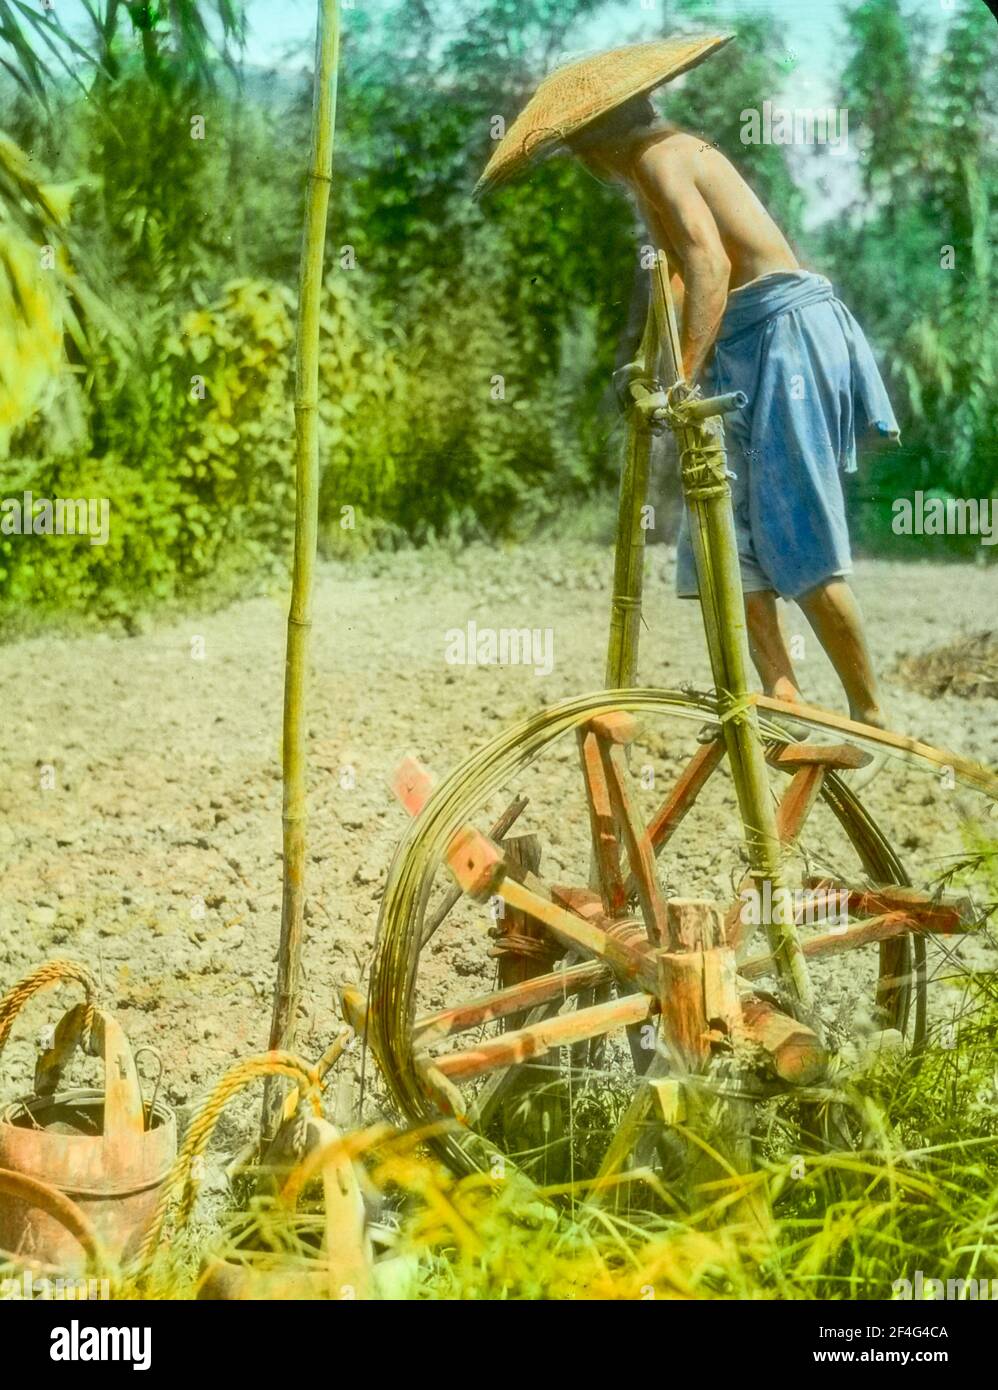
(670, 148)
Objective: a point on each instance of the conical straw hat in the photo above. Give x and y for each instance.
(574, 95)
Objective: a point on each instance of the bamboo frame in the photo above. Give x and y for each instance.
(629, 556)
(287, 990)
(715, 550)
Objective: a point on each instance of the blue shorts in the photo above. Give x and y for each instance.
(812, 387)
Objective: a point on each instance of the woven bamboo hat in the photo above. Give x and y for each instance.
(573, 96)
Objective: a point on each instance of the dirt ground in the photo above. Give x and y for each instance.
(140, 799)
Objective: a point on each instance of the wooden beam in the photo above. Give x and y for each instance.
(627, 961)
(693, 924)
(911, 749)
(673, 809)
(452, 897)
(514, 932)
(792, 1050)
(840, 757)
(698, 996)
(538, 1038)
(412, 784)
(640, 852)
(476, 863)
(798, 801)
(603, 830)
(617, 726)
(950, 912)
(891, 924)
(353, 1008)
(796, 804)
(558, 984)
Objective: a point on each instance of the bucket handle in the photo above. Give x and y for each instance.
(181, 1185)
(55, 1204)
(53, 972)
(124, 1110)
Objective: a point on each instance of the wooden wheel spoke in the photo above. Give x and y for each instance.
(556, 985)
(888, 927)
(945, 913)
(538, 1038)
(809, 765)
(631, 826)
(603, 830)
(689, 784)
(498, 832)
(616, 944)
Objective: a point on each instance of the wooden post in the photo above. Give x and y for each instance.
(700, 1009)
(523, 854)
(530, 1109)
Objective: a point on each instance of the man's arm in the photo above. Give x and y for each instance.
(669, 191)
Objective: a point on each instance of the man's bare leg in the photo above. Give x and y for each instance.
(768, 647)
(834, 614)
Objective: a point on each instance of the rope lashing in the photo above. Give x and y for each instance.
(512, 943)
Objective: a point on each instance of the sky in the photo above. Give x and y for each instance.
(814, 31)
(281, 36)
(281, 32)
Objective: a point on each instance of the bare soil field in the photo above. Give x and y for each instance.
(140, 799)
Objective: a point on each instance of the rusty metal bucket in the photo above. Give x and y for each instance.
(55, 1204)
(106, 1150)
(341, 1268)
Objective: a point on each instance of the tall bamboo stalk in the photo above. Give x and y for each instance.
(288, 988)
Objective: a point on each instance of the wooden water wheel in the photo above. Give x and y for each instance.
(625, 974)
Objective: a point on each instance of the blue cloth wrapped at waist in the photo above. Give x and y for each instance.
(787, 332)
(812, 386)
(771, 294)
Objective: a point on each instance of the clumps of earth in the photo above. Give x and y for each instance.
(967, 668)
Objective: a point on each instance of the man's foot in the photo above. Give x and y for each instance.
(862, 777)
(795, 731)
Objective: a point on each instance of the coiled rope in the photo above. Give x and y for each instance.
(180, 1181)
(53, 972)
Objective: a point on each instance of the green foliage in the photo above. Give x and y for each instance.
(914, 258)
(44, 576)
(202, 487)
(465, 359)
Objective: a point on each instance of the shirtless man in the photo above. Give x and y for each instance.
(752, 319)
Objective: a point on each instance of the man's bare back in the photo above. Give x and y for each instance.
(672, 169)
(714, 230)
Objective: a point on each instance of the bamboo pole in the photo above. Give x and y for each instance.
(715, 550)
(629, 557)
(294, 816)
